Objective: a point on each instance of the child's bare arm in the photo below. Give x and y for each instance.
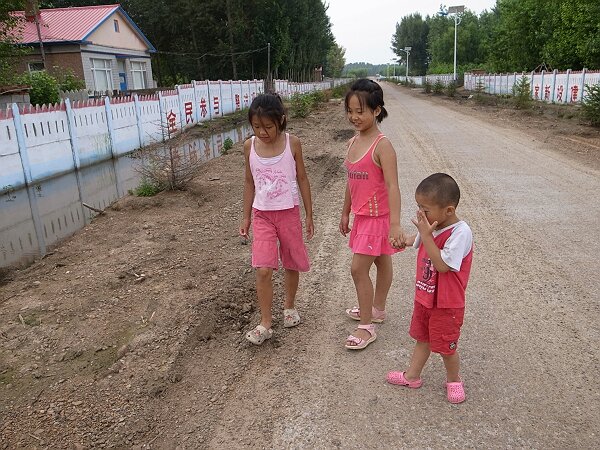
(345, 219)
(303, 185)
(248, 192)
(386, 156)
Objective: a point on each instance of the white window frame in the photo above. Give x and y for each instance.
(102, 69)
(138, 69)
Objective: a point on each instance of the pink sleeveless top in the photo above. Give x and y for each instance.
(368, 193)
(275, 185)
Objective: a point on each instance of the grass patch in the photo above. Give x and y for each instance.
(147, 188)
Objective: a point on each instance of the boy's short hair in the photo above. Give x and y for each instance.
(440, 188)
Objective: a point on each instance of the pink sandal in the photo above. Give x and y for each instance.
(456, 392)
(399, 379)
(356, 343)
(377, 316)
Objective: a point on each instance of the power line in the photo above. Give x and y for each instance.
(202, 55)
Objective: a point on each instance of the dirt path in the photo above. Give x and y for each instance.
(104, 359)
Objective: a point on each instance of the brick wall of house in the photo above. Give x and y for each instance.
(56, 63)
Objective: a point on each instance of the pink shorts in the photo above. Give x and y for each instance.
(438, 326)
(283, 226)
(370, 236)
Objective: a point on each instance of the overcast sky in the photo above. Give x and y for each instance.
(365, 27)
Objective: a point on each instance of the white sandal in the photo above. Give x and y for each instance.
(259, 335)
(291, 318)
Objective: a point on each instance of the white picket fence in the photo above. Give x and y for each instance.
(445, 79)
(551, 87)
(39, 142)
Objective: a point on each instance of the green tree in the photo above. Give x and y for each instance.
(520, 34)
(8, 51)
(412, 31)
(575, 41)
(335, 61)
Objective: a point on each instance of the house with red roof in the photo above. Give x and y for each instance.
(100, 44)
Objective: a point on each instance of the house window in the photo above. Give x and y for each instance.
(102, 74)
(138, 74)
(116, 22)
(35, 66)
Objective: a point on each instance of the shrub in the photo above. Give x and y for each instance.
(340, 91)
(69, 82)
(44, 88)
(438, 87)
(590, 108)
(302, 104)
(227, 145)
(427, 87)
(451, 89)
(147, 188)
(479, 89)
(522, 94)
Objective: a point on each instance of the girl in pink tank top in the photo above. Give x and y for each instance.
(373, 196)
(274, 182)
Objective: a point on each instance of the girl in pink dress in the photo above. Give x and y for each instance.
(373, 196)
(275, 181)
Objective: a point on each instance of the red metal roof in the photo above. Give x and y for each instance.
(63, 24)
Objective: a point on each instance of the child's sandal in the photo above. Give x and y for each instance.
(291, 318)
(259, 334)
(377, 316)
(399, 379)
(456, 392)
(356, 343)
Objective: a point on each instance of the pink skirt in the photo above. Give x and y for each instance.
(370, 236)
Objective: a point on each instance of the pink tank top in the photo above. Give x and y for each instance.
(274, 179)
(368, 193)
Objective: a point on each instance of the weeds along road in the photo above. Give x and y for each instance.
(529, 346)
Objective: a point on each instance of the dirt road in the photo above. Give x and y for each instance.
(182, 375)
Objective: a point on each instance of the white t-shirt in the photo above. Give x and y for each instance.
(457, 246)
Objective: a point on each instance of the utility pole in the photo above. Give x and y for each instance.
(269, 64)
(33, 12)
(230, 30)
(454, 11)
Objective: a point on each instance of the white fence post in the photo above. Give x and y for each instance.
(24, 156)
(181, 111)
(196, 104)
(73, 133)
(109, 125)
(138, 119)
(162, 113)
(567, 95)
(209, 100)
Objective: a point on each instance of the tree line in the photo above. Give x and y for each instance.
(229, 39)
(515, 36)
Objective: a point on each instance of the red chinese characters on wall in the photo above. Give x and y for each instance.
(189, 109)
(536, 92)
(216, 105)
(574, 92)
(203, 110)
(171, 122)
(237, 102)
(547, 93)
(559, 93)
(246, 101)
